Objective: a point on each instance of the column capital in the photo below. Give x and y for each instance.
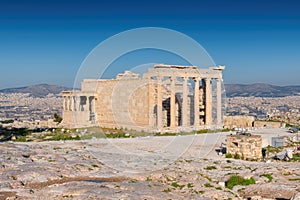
(159, 77)
(196, 78)
(219, 80)
(185, 78)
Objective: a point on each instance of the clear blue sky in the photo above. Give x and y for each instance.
(46, 41)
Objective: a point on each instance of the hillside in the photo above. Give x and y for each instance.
(40, 90)
(232, 90)
(260, 90)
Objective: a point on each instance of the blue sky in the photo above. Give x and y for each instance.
(46, 41)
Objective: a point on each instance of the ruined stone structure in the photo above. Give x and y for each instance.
(167, 97)
(246, 146)
(239, 121)
(269, 124)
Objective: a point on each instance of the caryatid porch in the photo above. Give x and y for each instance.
(79, 106)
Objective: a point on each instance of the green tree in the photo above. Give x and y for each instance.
(57, 118)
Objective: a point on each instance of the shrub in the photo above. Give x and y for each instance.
(9, 121)
(57, 118)
(269, 176)
(228, 155)
(210, 168)
(21, 139)
(167, 190)
(296, 157)
(175, 184)
(208, 185)
(236, 156)
(202, 131)
(238, 180)
(243, 158)
(294, 179)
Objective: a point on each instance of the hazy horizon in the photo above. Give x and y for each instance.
(79, 88)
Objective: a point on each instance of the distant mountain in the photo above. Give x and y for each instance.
(40, 90)
(232, 90)
(260, 90)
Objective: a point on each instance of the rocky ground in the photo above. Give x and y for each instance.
(174, 167)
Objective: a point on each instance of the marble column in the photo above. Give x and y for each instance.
(184, 102)
(208, 101)
(79, 103)
(68, 102)
(75, 103)
(196, 103)
(159, 103)
(172, 103)
(87, 104)
(64, 102)
(219, 102)
(71, 103)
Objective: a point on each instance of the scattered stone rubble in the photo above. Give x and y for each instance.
(92, 169)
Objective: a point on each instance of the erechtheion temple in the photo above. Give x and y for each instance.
(167, 97)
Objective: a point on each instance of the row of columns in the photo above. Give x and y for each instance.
(208, 104)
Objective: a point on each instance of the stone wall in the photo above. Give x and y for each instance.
(238, 121)
(124, 103)
(76, 119)
(266, 124)
(248, 147)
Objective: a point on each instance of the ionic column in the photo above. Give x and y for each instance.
(64, 102)
(196, 103)
(208, 101)
(159, 103)
(74, 103)
(78, 103)
(71, 103)
(68, 102)
(184, 102)
(219, 102)
(172, 103)
(87, 103)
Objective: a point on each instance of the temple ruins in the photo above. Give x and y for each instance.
(167, 97)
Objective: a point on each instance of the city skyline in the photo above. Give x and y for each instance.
(46, 42)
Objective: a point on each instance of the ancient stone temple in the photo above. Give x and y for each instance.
(167, 97)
